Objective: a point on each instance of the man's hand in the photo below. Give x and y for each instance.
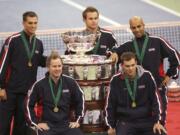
(166, 80)
(3, 95)
(114, 57)
(111, 131)
(74, 125)
(43, 126)
(159, 128)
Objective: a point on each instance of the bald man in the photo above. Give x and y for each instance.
(151, 52)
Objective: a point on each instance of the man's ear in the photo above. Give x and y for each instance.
(121, 64)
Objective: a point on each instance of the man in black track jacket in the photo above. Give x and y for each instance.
(20, 57)
(133, 106)
(56, 93)
(105, 41)
(151, 52)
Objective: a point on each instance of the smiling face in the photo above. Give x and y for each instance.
(55, 68)
(137, 26)
(30, 25)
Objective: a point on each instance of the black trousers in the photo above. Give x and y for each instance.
(135, 128)
(163, 96)
(13, 106)
(60, 130)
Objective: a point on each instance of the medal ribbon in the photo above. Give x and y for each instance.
(96, 46)
(25, 42)
(95, 49)
(141, 56)
(57, 97)
(132, 93)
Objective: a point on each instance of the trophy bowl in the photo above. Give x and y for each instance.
(85, 67)
(80, 48)
(79, 42)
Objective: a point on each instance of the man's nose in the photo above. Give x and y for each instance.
(130, 67)
(136, 29)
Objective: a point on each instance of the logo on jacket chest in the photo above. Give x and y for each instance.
(37, 51)
(151, 49)
(103, 46)
(65, 90)
(141, 86)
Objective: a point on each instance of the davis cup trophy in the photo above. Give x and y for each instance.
(92, 72)
(81, 66)
(79, 42)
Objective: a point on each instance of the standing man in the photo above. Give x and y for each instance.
(56, 92)
(133, 106)
(151, 52)
(105, 41)
(20, 57)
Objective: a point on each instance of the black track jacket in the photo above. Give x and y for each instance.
(71, 95)
(119, 102)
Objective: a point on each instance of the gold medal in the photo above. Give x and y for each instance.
(29, 64)
(133, 104)
(56, 109)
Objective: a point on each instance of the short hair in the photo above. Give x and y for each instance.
(89, 9)
(126, 56)
(54, 55)
(29, 14)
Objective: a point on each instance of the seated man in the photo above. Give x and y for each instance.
(56, 92)
(133, 104)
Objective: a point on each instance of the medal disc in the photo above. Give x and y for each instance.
(29, 64)
(56, 109)
(133, 104)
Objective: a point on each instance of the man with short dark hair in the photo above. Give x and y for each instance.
(56, 93)
(133, 106)
(105, 41)
(20, 57)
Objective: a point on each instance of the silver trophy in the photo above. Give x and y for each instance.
(81, 66)
(80, 42)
